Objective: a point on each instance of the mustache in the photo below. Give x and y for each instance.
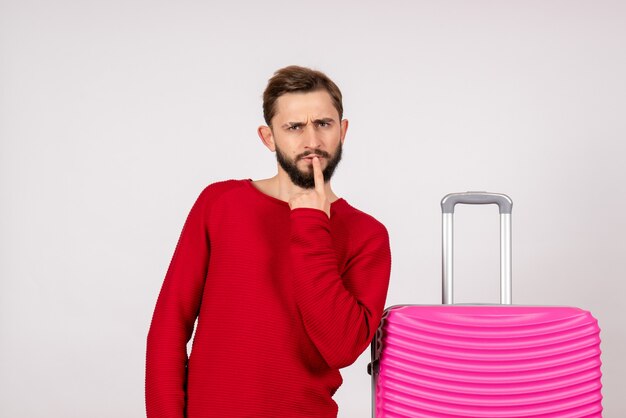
(317, 152)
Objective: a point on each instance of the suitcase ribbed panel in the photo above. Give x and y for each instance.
(488, 361)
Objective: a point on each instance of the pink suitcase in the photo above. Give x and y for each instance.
(492, 361)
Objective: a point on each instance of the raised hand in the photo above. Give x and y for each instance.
(314, 198)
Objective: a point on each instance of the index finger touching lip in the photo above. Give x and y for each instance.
(318, 175)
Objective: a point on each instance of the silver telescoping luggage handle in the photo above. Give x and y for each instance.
(505, 205)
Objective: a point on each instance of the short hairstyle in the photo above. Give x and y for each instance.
(295, 79)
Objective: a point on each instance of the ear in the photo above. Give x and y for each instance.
(344, 129)
(265, 133)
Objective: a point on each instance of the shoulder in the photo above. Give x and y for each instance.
(215, 190)
(358, 222)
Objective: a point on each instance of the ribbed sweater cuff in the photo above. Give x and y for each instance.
(310, 235)
(309, 213)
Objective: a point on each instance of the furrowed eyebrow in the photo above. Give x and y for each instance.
(323, 120)
(293, 124)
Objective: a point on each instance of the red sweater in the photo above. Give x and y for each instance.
(284, 298)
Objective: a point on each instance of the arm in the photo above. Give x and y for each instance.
(174, 317)
(340, 312)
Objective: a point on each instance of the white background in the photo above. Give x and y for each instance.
(114, 115)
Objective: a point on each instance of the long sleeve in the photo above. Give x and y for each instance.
(174, 317)
(340, 312)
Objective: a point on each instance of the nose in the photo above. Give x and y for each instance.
(312, 137)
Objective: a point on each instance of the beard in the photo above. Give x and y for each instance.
(305, 179)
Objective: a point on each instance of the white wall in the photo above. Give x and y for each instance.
(114, 115)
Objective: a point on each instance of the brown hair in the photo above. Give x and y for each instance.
(295, 79)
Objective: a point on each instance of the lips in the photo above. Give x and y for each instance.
(310, 156)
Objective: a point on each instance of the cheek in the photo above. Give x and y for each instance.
(332, 139)
(287, 146)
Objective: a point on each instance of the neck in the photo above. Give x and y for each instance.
(281, 187)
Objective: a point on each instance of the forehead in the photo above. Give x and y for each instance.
(297, 106)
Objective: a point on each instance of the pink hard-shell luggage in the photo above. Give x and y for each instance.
(492, 361)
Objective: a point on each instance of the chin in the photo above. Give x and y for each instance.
(305, 167)
(306, 173)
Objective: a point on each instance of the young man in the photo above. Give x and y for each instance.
(287, 280)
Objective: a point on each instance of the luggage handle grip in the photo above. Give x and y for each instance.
(505, 205)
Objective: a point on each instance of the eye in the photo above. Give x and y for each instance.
(295, 127)
(323, 124)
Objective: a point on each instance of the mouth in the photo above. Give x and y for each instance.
(309, 160)
(309, 157)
